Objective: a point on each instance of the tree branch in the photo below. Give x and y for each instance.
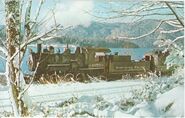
(32, 40)
(173, 11)
(133, 38)
(174, 24)
(25, 89)
(37, 13)
(172, 31)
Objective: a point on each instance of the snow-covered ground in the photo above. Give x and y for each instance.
(68, 99)
(99, 99)
(66, 90)
(169, 104)
(45, 93)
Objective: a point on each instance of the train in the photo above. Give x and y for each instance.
(94, 61)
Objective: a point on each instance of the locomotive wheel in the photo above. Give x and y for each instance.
(81, 77)
(101, 77)
(77, 76)
(54, 78)
(69, 77)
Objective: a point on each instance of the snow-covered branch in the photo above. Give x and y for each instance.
(28, 86)
(34, 39)
(174, 24)
(135, 10)
(21, 9)
(168, 43)
(173, 11)
(171, 31)
(27, 19)
(37, 14)
(133, 38)
(38, 10)
(145, 8)
(176, 39)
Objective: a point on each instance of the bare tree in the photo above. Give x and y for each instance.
(16, 45)
(168, 12)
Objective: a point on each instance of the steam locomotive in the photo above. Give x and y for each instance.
(94, 62)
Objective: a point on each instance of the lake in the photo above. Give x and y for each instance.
(136, 54)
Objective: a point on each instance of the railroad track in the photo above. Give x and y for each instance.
(66, 94)
(52, 97)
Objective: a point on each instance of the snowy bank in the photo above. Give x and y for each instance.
(169, 104)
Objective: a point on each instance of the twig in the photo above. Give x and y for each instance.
(174, 13)
(172, 31)
(133, 38)
(32, 40)
(37, 13)
(22, 92)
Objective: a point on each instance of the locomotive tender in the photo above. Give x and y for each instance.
(93, 61)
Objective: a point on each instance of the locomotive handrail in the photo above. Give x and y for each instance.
(91, 69)
(58, 65)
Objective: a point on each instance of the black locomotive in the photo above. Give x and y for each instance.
(94, 62)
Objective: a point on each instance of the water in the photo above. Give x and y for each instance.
(2, 65)
(136, 54)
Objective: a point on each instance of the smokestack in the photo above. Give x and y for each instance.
(67, 45)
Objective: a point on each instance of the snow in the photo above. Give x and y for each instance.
(174, 97)
(98, 99)
(148, 109)
(50, 95)
(5, 104)
(101, 100)
(120, 114)
(169, 104)
(82, 87)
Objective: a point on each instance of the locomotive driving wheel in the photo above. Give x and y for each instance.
(69, 77)
(54, 78)
(81, 77)
(78, 76)
(102, 77)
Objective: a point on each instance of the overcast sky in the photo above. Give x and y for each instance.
(74, 12)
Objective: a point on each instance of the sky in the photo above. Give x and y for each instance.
(67, 12)
(75, 12)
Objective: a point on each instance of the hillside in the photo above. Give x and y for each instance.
(107, 31)
(102, 34)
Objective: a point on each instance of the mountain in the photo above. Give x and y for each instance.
(108, 32)
(103, 34)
